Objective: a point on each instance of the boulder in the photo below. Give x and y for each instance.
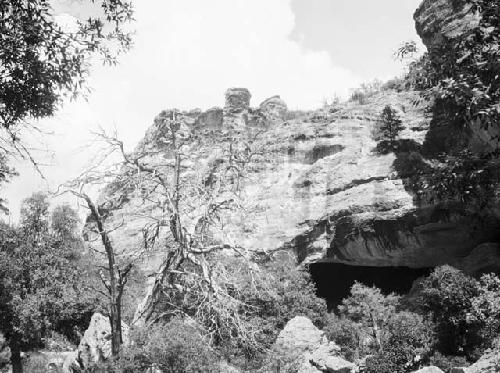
(95, 346)
(226, 368)
(321, 360)
(459, 370)
(304, 347)
(431, 369)
(489, 362)
(274, 108)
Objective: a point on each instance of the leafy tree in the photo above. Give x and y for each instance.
(447, 294)
(41, 61)
(388, 126)
(408, 344)
(463, 75)
(41, 285)
(370, 309)
(486, 309)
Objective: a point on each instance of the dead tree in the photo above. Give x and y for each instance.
(113, 276)
(171, 193)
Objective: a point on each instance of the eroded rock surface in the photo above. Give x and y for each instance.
(316, 187)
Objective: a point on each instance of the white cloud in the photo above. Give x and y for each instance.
(187, 52)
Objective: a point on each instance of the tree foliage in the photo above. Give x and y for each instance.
(41, 60)
(370, 309)
(447, 295)
(41, 286)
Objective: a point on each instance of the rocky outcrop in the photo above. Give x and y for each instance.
(443, 21)
(95, 346)
(236, 107)
(315, 186)
(274, 109)
(303, 346)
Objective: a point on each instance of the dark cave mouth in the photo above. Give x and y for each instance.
(334, 280)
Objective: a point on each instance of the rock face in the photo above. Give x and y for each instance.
(316, 187)
(442, 21)
(304, 347)
(95, 346)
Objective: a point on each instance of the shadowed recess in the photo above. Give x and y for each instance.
(333, 281)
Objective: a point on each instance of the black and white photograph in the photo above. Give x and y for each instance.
(249, 186)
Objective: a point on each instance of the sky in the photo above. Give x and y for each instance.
(188, 52)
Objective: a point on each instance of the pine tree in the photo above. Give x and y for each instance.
(389, 125)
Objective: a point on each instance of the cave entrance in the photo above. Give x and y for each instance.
(333, 280)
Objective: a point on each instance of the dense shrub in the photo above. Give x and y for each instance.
(346, 334)
(447, 295)
(486, 309)
(408, 342)
(173, 347)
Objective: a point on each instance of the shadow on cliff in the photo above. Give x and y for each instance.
(449, 184)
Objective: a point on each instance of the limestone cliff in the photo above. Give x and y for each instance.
(317, 188)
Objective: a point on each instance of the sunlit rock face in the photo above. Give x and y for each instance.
(315, 187)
